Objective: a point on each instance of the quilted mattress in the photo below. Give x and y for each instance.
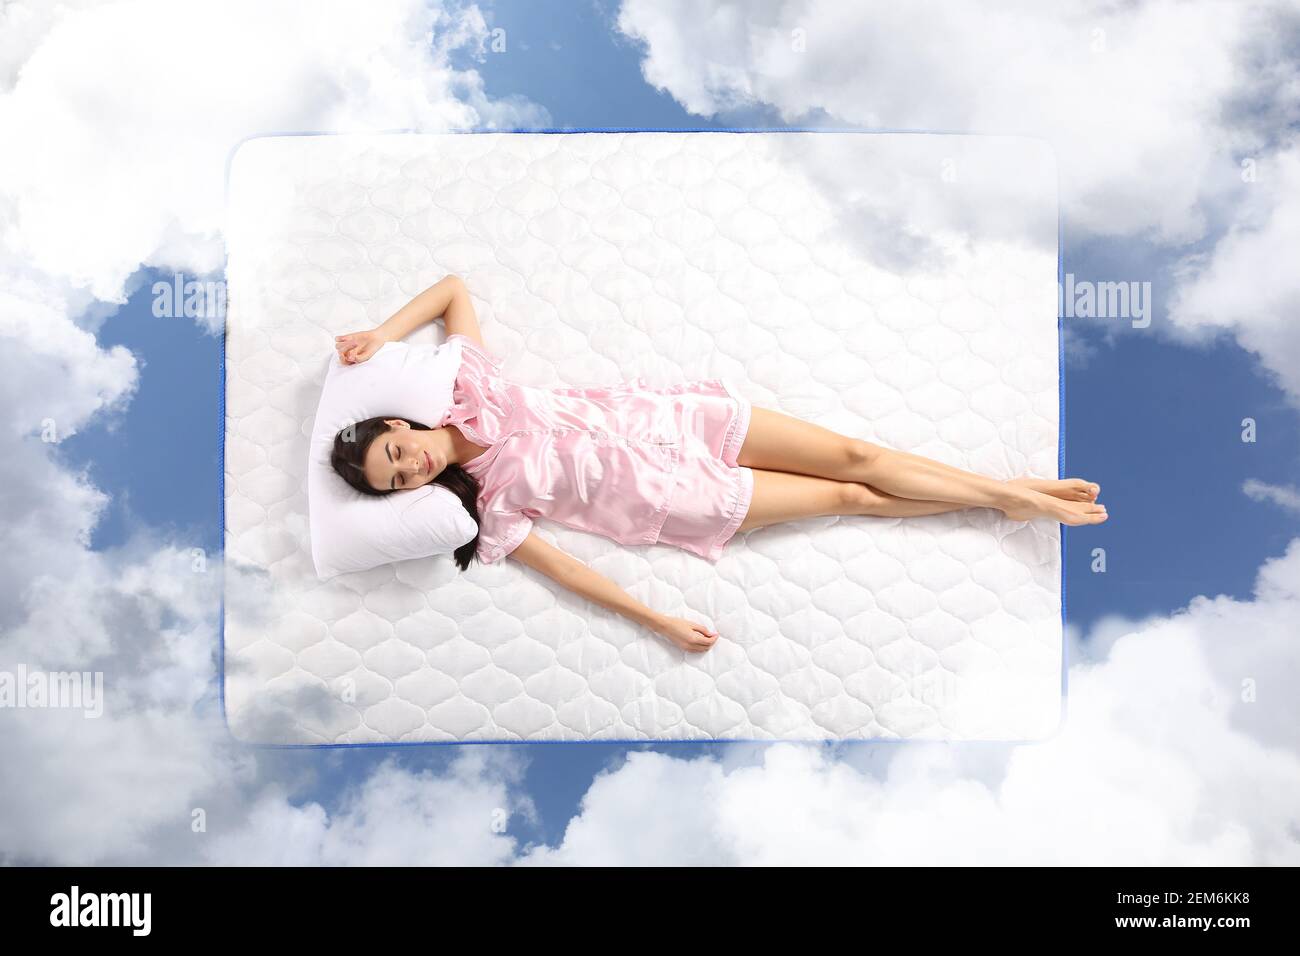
(898, 287)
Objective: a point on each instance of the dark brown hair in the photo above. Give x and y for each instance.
(349, 460)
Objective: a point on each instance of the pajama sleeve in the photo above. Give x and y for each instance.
(500, 532)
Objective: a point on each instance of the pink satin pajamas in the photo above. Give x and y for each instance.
(631, 462)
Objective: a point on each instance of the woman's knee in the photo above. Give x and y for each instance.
(860, 455)
(857, 498)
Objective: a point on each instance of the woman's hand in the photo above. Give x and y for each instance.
(691, 637)
(358, 346)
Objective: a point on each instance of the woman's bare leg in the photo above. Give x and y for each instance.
(779, 442)
(785, 496)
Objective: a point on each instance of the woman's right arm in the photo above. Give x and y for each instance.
(566, 570)
(448, 297)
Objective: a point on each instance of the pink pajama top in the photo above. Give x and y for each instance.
(616, 460)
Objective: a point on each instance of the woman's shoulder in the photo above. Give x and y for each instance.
(473, 347)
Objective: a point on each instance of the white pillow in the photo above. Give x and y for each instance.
(351, 531)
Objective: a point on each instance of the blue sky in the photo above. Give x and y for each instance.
(1156, 423)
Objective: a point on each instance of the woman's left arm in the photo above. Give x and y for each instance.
(566, 570)
(447, 297)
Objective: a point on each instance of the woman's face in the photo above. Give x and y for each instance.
(403, 458)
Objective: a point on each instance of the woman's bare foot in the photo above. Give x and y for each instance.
(1067, 489)
(1032, 504)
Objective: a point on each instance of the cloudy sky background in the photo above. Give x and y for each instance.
(1174, 126)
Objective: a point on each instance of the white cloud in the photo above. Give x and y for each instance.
(58, 376)
(121, 118)
(1249, 283)
(93, 788)
(1130, 94)
(394, 817)
(1286, 497)
(1163, 761)
(23, 26)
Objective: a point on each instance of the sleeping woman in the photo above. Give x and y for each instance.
(689, 465)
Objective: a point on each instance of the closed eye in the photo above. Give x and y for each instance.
(394, 459)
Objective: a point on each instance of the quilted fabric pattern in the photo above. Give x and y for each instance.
(839, 277)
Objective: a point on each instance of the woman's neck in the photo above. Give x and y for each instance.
(463, 450)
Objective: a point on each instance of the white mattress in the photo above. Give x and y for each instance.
(898, 287)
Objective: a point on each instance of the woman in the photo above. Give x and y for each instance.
(688, 465)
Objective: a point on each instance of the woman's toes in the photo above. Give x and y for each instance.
(1092, 514)
(1083, 512)
(1078, 489)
